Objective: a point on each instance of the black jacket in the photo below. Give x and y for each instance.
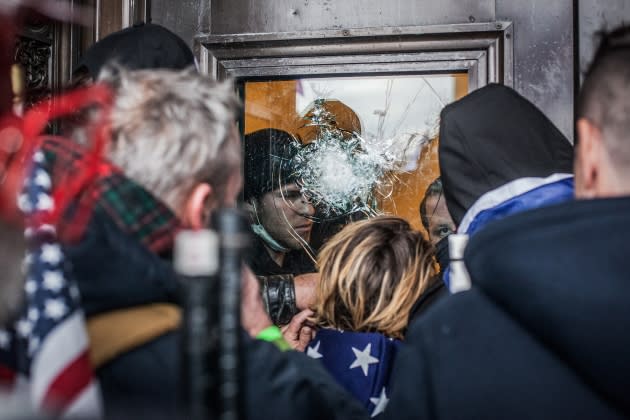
(143, 383)
(261, 263)
(543, 331)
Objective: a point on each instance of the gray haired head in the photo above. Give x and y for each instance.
(171, 130)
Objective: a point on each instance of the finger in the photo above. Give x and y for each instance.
(306, 333)
(303, 316)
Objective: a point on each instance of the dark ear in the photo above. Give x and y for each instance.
(198, 206)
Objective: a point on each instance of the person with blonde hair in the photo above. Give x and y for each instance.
(372, 273)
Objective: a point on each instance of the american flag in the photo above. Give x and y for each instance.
(44, 352)
(361, 362)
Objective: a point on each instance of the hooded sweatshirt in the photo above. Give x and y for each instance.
(500, 155)
(541, 332)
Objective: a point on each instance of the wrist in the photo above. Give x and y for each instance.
(272, 334)
(262, 323)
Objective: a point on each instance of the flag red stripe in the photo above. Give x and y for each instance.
(7, 376)
(69, 384)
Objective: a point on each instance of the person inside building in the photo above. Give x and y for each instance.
(434, 214)
(437, 222)
(281, 219)
(281, 216)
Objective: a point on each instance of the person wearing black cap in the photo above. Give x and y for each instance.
(140, 47)
(542, 331)
(281, 221)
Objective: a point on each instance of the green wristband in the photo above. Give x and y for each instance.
(273, 335)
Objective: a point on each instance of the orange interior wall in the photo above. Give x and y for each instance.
(409, 187)
(270, 105)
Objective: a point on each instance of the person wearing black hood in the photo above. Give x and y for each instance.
(542, 331)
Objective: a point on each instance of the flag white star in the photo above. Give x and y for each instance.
(24, 327)
(44, 202)
(38, 156)
(42, 179)
(33, 345)
(51, 253)
(5, 339)
(55, 308)
(74, 293)
(26, 263)
(53, 280)
(363, 359)
(30, 286)
(24, 203)
(33, 314)
(380, 403)
(314, 351)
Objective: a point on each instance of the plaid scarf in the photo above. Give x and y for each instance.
(135, 211)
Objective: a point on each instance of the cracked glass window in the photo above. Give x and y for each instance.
(320, 152)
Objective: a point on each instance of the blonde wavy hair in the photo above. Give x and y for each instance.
(372, 272)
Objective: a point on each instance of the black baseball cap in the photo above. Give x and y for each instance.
(267, 163)
(141, 46)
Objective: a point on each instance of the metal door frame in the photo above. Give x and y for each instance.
(482, 50)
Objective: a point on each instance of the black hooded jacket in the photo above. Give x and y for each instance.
(541, 333)
(491, 137)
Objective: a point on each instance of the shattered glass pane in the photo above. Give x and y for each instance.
(359, 146)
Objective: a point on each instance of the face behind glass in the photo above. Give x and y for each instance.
(285, 215)
(440, 222)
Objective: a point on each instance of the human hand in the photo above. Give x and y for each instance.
(254, 318)
(299, 332)
(305, 289)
